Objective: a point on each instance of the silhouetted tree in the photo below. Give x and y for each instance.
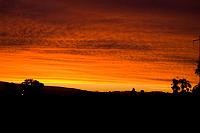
(175, 86)
(133, 92)
(197, 71)
(31, 87)
(182, 85)
(185, 85)
(196, 90)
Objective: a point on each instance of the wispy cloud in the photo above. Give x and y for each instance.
(126, 39)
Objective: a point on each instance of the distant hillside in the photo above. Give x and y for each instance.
(53, 90)
(47, 90)
(12, 89)
(3, 85)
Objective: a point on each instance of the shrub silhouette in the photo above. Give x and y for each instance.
(31, 87)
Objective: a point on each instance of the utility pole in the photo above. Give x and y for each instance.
(198, 40)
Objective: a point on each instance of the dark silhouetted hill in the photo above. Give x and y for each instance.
(9, 89)
(12, 89)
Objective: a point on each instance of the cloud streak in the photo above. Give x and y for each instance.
(126, 39)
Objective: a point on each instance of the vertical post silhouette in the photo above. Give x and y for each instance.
(198, 40)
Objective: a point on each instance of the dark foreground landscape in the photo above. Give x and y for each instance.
(34, 88)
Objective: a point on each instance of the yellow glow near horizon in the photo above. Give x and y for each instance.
(97, 49)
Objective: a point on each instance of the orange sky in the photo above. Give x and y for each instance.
(97, 48)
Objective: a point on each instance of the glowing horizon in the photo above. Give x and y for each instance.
(99, 45)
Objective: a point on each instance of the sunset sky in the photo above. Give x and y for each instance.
(99, 45)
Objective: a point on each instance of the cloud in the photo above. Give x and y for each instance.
(156, 79)
(146, 5)
(148, 57)
(38, 8)
(3, 34)
(7, 5)
(118, 51)
(111, 44)
(65, 24)
(45, 11)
